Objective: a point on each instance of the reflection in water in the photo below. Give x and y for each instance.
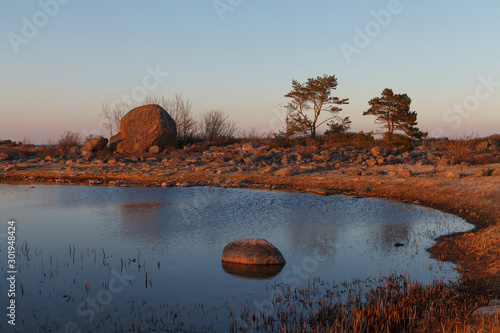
(255, 272)
(391, 234)
(142, 218)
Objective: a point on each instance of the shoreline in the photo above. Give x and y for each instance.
(472, 198)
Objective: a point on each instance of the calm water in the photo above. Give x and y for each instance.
(88, 250)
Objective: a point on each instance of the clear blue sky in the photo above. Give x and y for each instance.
(242, 56)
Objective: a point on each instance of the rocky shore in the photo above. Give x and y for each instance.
(425, 176)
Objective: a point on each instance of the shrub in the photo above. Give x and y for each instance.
(216, 128)
(67, 140)
(360, 140)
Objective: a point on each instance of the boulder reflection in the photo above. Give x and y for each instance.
(254, 272)
(141, 221)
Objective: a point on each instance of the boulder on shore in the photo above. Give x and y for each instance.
(145, 127)
(252, 251)
(96, 144)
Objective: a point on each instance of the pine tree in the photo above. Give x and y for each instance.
(393, 112)
(315, 95)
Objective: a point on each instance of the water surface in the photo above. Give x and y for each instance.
(88, 250)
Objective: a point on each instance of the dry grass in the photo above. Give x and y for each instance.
(465, 149)
(378, 304)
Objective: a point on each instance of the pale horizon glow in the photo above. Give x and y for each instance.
(62, 59)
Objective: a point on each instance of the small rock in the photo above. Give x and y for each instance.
(483, 173)
(495, 173)
(154, 150)
(249, 146)
(11, 167)
(184, 184)
(453, 175)
(95, 144)
(379, 151)
(364, 190)
(371, 162)
(285, 172)
(405, 173)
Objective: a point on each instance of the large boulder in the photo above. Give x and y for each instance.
(96, 144)
(143, 128)
(252, 251)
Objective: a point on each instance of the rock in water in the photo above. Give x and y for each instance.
(252, 251)
(143, 128)
(95, 144)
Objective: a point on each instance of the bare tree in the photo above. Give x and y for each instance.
(215, 126)
(112, 115)
(180, 110)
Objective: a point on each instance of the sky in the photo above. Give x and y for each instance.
(61, 60)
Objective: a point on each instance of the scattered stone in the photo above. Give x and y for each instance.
(166, 184)
(495, 173)
(74, 151)
(405, 173)
(87, 154)
(249, 146)
(96, 144)
(285, 172)
(372, 162)
(154, 150)
(354, 172)
(11, 167)
(320, 191)
(379, 151)
(364, 190)
(5, 156)
(184, 184)
(398, 244)
(444, 162)
(252, 251)
(453, 175)
(482, 146)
